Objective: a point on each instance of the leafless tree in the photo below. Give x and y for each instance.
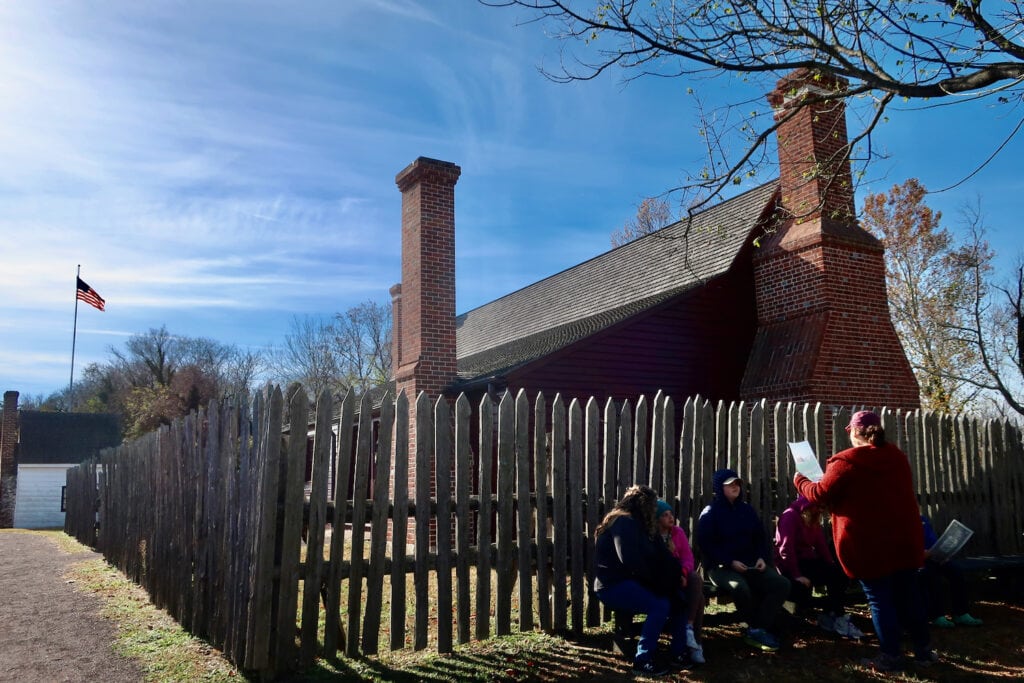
(363, 342)
(887, 51)
(308, 356)
(994, 318)
(149, 359)
(654, 213)
(240, 372)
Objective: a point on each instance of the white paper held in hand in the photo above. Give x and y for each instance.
(950, 542)
(806, 461)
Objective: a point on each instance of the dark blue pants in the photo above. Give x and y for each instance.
(821, 573)
(932, 575)
(631, 596)
(896, 603)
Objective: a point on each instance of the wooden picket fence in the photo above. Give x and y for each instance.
(208, 513)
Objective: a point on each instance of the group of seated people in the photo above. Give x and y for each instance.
(645, 565)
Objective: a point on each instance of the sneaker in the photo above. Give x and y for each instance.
(884, 663)
(691, 639)
(926, 658)
(845, 628)
(966, 619)
(943, 622)
(761, 639)
(649, 668)
(697, 655)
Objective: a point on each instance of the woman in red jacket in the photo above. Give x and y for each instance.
(876, 525)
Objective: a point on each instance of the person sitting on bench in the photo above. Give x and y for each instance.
(803, 556)
(692, 585)
(734, 547)
(628, 558)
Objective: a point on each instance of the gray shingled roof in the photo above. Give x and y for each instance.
(64, 438)
(567, 307)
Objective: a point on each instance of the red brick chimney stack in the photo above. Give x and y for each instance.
(426, 297)
(814, 155)
(423, 305)
(824, 329)
(8, 465)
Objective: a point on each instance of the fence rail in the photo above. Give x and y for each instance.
(208, 513)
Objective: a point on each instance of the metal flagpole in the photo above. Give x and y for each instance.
(74, 335)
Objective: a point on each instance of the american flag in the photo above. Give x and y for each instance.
(89, 295)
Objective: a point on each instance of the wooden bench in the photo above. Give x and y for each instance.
(991, 563)
(1001, 576)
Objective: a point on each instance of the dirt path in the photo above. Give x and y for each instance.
(48, 630)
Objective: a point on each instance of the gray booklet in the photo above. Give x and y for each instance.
(950, 542)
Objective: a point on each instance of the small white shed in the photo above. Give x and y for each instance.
(50, 443)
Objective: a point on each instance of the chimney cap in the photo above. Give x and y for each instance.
(800, 82)
(423, 166)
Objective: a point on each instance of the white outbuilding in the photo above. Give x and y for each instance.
(49, 443)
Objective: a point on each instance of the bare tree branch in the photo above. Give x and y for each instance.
(925, 50)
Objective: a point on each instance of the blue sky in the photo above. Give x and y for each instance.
(219, 167)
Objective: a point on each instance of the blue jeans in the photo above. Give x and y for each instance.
(896, 603)
(632, 597)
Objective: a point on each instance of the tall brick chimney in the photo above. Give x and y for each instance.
(8, 464)
(824, 329)
(423, 305)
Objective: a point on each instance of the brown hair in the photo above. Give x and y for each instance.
(639, 502)
(873, 434)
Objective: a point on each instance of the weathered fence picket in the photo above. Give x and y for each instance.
(360, 484)
(592, 489)
(291, 531)
(574, 480)
(559, 521)
(484, 527)
(524, 521)
(505, 531)
(316, 519)
(400, 524)
(343, 456)
(463, 518)
(443, 496)
(542, 486)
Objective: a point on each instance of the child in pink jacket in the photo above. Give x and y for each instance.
(692, 584)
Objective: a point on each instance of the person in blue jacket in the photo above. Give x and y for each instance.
(734, 549)
(636, 572)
